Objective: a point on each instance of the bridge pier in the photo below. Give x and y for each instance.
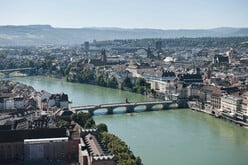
(110, 111)
(182, 103)
(129, 109)
(166, 106)
(149, 107)
(91, 111)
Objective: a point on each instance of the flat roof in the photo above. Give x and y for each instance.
(43, 140)
(20, 135)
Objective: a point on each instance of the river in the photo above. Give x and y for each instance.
(169, 137)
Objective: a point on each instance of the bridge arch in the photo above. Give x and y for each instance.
(120, 110)
(140, 108)
(158, 107)
(101, 111)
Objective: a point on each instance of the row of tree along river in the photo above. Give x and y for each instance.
(159, 137)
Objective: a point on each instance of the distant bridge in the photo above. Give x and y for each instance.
(14, 70)
(129, 107)
(8, 71)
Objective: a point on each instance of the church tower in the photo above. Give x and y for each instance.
(103, 56)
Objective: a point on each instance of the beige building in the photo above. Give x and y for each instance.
(215, 100)
(168, 89)
(230, 105)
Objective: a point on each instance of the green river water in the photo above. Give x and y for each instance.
(169, 137)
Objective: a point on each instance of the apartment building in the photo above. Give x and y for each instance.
(230, 105)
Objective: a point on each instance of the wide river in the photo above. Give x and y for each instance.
(169, 137)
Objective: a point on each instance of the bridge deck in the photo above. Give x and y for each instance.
(115, 105)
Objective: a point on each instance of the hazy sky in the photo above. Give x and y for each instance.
(162, 14)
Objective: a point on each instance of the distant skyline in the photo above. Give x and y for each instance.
(156, 14)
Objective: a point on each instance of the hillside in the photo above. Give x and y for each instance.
(46, 34)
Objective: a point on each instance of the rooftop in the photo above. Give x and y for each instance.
(94, 146)
(20, 135)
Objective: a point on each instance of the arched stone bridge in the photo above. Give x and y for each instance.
(129, 107)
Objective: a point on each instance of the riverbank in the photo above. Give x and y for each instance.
(193, 105)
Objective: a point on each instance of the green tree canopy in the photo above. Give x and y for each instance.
(123, 155)
(127, 83)
(112, 82)
(85, 120)
(102, 127)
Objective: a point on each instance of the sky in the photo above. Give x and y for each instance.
(156, 14)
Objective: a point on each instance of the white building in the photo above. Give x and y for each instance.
(230, 105)
(58, 100)
(166, 88)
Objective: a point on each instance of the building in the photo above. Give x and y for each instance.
(41, 99)
(165, 88)
(9, 104)
(17, 123)
(6, 101)
(19, 103)
(99, 62)
(58, 100)
(244, 111)
(194, 91)
(220, 59)
(91, 151)
(53, 149)
(230, 105)
(86, 46)
(191, 78)
(158, 45)
(215, 100)
(18, 146)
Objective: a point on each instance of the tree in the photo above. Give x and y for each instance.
(112, 82)
(141, 86)
(123, 155)
(90, 123)
(100, 80)
(127, 83)
(153, 92)
(102, 127)
(83, 119)
(138, 161)
(140, 82)
(86, 76)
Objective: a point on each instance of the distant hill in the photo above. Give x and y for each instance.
(46, 34)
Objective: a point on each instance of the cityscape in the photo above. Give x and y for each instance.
(121, 94)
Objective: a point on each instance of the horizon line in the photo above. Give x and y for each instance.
(130, 28)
